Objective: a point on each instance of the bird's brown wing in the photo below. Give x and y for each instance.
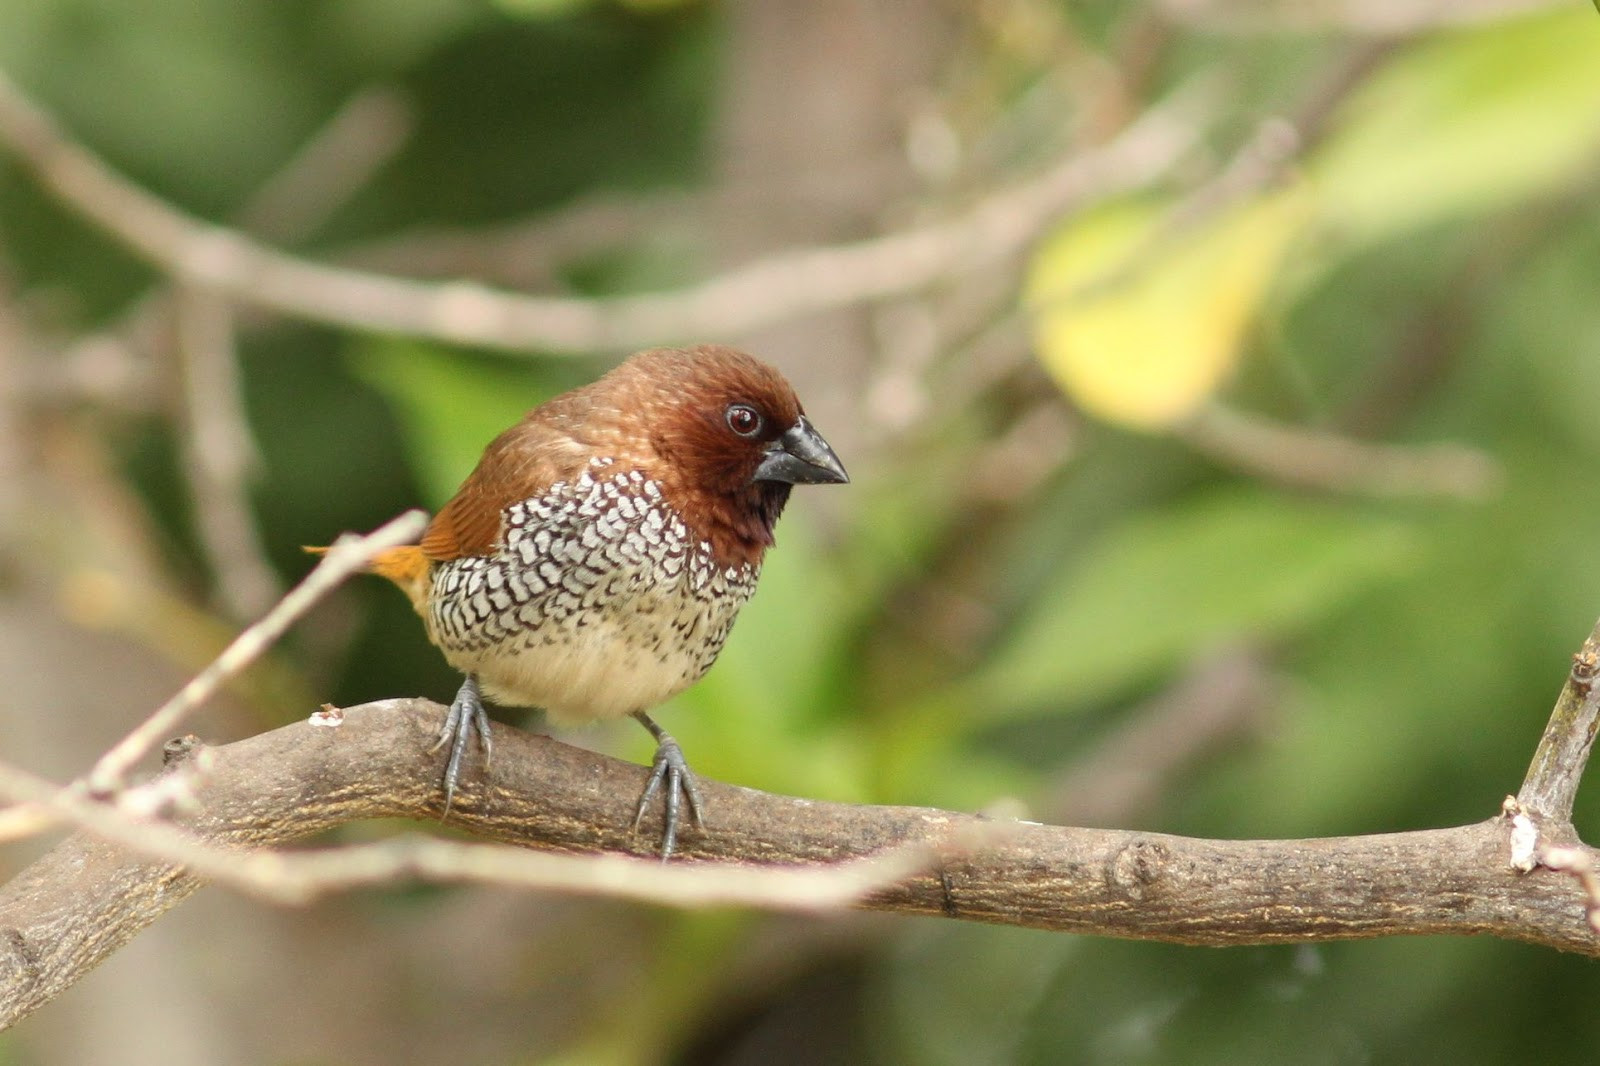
(520, 464)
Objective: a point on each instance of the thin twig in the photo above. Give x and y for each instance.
(1551, 785)
(1580, 864)
(357, 141)
(286, 877)
(1220, 698)
(758, 294)
(1298, 455)
(347, 555)
(42, 805)
(219, 453)
(1276, 144)
(1378, 17)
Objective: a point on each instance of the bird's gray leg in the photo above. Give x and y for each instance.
(466, 717)
(672, 769)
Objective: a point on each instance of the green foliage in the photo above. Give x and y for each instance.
(928, 1009)
(770, 712)
(1462, 124)
(450, 407)
(1216, 569)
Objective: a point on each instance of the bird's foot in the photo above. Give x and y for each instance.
(466, 717)
(669, 774)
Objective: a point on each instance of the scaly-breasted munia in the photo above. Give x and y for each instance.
(594, 561)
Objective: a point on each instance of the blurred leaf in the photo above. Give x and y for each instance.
(1464, 123)
(173, 89)
(1140, 326)
(383, 36)
(932, 1012)
(541, 9)
(924, 756)
(1164, 585)
(450, 406)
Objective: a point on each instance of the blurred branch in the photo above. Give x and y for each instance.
(530, 252)
(87, 897)
(362, 137)
(300, 877)
(760, 293)
(347, 555)
(13, 342)
(113, 365)
(194, 326)
(1273, 147)
(1220, 697)
(218, 453)
(1300, 456)
(1579, 862)
(1381, 17)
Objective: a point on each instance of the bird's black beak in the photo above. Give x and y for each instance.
(801, 457)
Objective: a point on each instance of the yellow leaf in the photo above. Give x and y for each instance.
(1141, 327)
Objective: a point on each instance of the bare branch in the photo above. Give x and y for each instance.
(113, 365)
(345, 557)
(758, 294)
(1378, 17)
(357, 141)
(81, 901)
(1298, 455)
(1579, 863)
(14, 341)
(1221, 697)
(299, 877)
(219, 453)
(1551, 785)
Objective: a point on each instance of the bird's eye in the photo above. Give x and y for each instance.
(743, 420)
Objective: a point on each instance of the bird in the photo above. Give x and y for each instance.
(595, 559)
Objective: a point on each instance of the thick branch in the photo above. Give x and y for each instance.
(85, 899)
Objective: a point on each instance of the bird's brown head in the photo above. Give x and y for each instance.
(726, 437)
(722, 434)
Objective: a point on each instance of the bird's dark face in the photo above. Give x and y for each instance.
(732, 439)
(770, 458)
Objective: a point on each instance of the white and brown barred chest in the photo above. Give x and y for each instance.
(598, 603)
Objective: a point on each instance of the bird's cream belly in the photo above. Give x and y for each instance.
(603, 664)
(597, 605)
(597, 672)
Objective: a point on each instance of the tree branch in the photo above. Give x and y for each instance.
(229, 263)
(1300, 455)
(1551, 786)
(86, 898)
(347, 555)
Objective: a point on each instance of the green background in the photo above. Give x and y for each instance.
(1006, 589)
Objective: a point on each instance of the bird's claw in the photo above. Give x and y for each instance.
(466, 717)
(670, 775)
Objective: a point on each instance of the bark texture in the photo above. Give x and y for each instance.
(84, 899)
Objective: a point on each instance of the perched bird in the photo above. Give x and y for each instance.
(594, 561)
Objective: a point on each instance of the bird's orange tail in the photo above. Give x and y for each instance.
(406, 566)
